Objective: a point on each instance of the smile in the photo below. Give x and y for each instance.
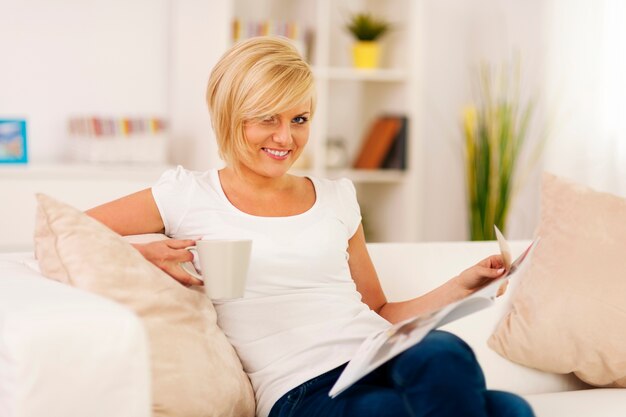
(275, 153)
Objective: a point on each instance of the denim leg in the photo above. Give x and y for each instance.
(362, 401)
(506, 404)
(369, 397)
(440, 377)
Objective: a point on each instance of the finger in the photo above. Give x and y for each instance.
(177, 272)
(490, 272)
(180, 243)
(183, 277)
(493, 261)
(194, 281)
(497, 261)
(187, 277)
(184, 256)
(176, 256)
(190, 282)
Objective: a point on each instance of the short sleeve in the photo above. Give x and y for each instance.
(172, 193)
(350, 209)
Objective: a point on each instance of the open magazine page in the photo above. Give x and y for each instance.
(384, 345)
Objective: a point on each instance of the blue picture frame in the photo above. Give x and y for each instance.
(13, 149)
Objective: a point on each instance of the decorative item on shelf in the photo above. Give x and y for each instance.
(336, 153)
(301, 38)
(496, 130)
(367, 31)
(118, 140)
(384, 146)
(13, 141)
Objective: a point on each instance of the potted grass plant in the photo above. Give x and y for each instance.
(367, 31)
(496, 132)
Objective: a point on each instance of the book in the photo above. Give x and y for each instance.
(382, 346)
(378, 142)
(396, 157)
(13, 147)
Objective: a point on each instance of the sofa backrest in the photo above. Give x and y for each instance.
(407, 270)
(80, 186)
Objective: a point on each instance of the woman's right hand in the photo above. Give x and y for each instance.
(168, 256)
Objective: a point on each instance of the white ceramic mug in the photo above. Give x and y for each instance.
(223, 266)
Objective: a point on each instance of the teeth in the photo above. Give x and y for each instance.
(276, 153)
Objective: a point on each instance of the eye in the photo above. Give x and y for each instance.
(268, 119)
(300, 120)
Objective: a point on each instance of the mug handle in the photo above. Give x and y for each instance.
(189, 267)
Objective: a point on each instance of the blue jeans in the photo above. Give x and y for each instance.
(438, 377)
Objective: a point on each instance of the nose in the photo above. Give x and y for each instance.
(282, 134)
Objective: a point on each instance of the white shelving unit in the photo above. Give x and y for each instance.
(350, 99)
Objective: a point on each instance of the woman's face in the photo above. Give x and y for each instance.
(276, 140)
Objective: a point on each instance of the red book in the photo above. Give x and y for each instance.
(378, 142)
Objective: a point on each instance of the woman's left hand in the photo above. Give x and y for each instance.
(481, 274)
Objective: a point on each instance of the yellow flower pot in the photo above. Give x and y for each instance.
(366, 54)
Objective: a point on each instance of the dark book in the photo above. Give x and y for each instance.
(396, 157)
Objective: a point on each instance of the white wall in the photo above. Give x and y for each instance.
(457, 35)
(111, 58)
(200, 34)
(80, 57)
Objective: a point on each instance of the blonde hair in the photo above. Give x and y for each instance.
(256, 78)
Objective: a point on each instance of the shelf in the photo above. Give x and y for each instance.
(354, 74)
(349, 99)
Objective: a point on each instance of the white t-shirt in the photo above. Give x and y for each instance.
(301, 314)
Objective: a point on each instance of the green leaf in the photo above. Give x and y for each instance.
(365, 27)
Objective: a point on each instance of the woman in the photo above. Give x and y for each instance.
(312, 294)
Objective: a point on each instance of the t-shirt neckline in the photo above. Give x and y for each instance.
(215, 179)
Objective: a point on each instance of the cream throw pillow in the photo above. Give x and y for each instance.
(195, 371)
(568, 312)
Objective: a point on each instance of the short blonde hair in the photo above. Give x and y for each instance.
(256, 78)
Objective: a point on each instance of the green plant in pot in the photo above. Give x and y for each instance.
(367, 31)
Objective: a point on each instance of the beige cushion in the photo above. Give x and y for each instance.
(195, 371)
(568, 312)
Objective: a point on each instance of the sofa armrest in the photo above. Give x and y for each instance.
(65, 352)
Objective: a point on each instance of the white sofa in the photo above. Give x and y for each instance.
(65, 352)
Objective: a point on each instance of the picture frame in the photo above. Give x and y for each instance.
(13, 141)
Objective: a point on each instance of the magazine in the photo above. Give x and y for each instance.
(384, 345)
